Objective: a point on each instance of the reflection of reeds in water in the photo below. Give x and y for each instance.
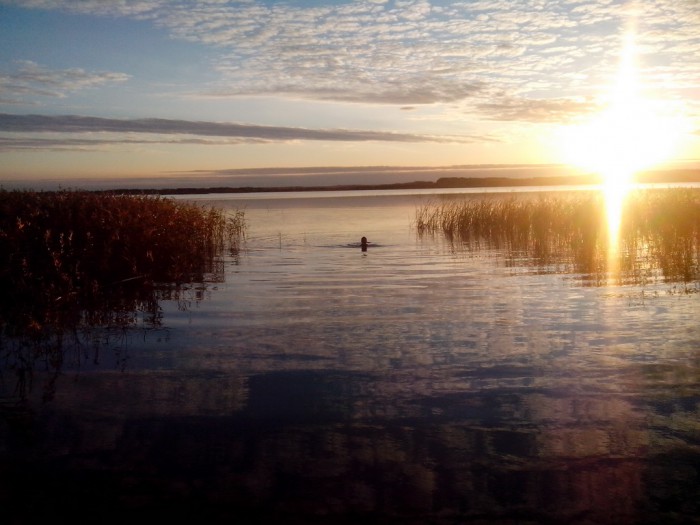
(659, 236)
(74, 259)
(235, 231)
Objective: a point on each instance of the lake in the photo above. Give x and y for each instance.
(414, 382)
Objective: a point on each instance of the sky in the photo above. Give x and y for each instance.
(215, 90)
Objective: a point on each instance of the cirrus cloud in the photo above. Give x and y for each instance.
(32, 80)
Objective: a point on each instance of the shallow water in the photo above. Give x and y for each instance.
(411, 383)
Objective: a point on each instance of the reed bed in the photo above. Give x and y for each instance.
(548, 225)
(660, 231)
(664, 226)
(89, 255)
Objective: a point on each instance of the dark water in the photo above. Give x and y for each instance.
(412, 383)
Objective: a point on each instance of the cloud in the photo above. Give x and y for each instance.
(136, 8)
(69, 124)
(410, 52)
(31, 79)
(537, 111)
(71, 144)
(429, 92)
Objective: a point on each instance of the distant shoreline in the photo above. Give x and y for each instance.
(682, 176)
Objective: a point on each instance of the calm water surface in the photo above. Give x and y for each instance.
(412, 383)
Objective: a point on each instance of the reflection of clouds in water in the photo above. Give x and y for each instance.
(295, 447)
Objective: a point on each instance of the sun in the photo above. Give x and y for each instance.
(630, 134)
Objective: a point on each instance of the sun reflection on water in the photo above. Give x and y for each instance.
(615, 190)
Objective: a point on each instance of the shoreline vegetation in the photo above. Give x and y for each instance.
(675, 176)
(659, 236)
(72, 262)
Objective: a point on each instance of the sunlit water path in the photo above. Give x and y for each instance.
(411, 383)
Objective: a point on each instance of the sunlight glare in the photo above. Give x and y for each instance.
(631, 134)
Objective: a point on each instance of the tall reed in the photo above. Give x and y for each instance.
(660, 230)
(73, 251)
(664, 226)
